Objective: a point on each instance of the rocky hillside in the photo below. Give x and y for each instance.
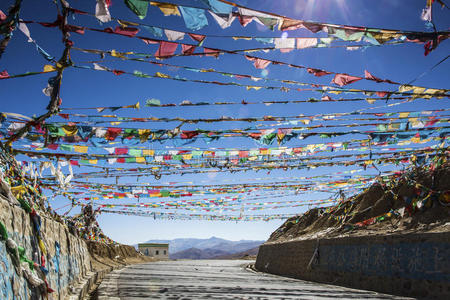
(415, 200)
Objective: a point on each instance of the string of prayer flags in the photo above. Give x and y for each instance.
(85, 153)
(195, 18)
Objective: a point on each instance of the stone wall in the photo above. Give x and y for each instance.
(67, 259)
(416, 265)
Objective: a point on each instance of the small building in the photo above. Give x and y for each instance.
(155, 250)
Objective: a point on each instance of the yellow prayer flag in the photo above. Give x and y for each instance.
(335, 92)
(80, 149)
(418, 90)
(140, 160)
(405, 88)
(70, 130)
(415, 140)
(431, 92)
(167, 9)
(115, 53)
(161, 75)
(264, 151)
(49, 68)
(127, 23)
(18, 190)
(42, 246)
(147, 152)
(144, 134)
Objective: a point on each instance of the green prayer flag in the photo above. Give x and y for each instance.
(130, 159)
(139, 7)
(135, 152)
(65, 147)
(269, 22)
(152, 102)
(3, 232)
(140, 74)
(24, 204)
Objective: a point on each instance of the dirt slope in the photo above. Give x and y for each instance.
(105, 256)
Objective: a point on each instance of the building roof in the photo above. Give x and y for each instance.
(152, 245)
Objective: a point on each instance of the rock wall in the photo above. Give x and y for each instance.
(67, 259)
(416, 265)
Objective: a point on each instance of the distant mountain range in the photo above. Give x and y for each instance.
(194, 253)
(250, 253)
(206, 248)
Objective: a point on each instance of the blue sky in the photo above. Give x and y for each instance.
(87, 88)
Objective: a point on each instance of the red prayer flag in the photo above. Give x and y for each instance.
(52, 146)
(317, 72)
(112, 133)
(166, 49)
(187, 49)
(121, 151)
(243, 153)
(369, 76)
(2, 16)
(4, 74)
(344, 79)
(259, 63)
(127, 31)
(381, 94)
(197, 37)
(211, 52)
(118, 72)
(188, 134)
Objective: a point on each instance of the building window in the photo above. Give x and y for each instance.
(165, 252)
(157, 252)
